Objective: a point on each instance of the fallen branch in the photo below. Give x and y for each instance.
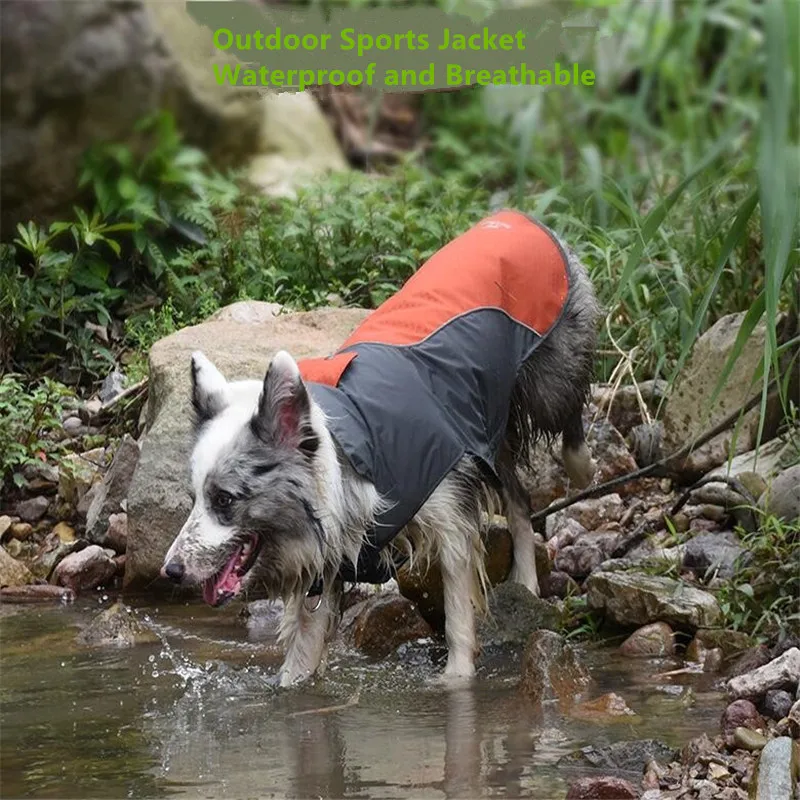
(657, 467)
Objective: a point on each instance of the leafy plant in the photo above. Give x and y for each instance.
(763, 597)
(27, 414)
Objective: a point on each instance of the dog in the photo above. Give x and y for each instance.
(399, 446)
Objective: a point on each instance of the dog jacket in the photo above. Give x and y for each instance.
(427, 377)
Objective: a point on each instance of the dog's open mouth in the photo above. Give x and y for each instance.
(226, 583)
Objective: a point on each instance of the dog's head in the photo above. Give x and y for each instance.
(253, 522)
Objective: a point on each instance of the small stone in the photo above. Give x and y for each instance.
(117, 532)
(714, 660)
(741, 714)
(73, 426)
(33, 509)
(13, 573)
(21, 530)
(776, 704)
(747, 739)
(388, 621)
(656, 639)
(711, 554)
(64, 532)
(5, 525)
(112, 386)
(601, 788)
(593, 514)
(559, 584)
(14, 547)
(85, 569)
(794, 719)
(606, 709)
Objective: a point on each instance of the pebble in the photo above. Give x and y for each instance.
(748, 739)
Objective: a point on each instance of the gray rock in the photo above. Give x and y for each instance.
(579, 560)
(777, 704)
(12, 572)
(687, 413)
(630, 598)
(626, 756)
(711, 554)
(596, 513)
(109, 494)
(765, 461)
(782, 672)
(5, 525)
(112, 385)
(776, 771)
(559, 584)
(73, 426)
(117, 534)
(514, 614)
(782, 497)
(158, 500)
(32, 509)
(117, 626)
(551, 669)
(85, 569)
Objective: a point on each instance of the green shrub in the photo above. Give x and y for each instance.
(27, 414)
(763, 598)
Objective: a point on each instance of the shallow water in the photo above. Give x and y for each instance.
(198, 716)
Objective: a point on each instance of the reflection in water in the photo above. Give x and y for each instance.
(462, 755)
(199, 716)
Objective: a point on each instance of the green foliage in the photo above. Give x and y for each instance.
(355, 236)
(763, 597)
(54, 281)
(27, 413)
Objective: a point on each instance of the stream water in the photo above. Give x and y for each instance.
(197, 715)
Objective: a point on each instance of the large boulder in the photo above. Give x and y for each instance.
(687, 412)
(158, 501)
(82, 72)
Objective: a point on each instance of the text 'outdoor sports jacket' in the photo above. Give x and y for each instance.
(427, 377)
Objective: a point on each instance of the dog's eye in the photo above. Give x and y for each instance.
(222, 499)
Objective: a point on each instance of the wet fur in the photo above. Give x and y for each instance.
(268, 446)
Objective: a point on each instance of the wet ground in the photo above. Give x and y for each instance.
(198, 716)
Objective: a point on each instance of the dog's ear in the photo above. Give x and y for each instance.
(284, 407)
(209, 389)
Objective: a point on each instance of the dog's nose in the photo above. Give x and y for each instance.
(173, 571)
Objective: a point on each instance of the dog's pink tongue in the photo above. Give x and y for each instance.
(223, 583)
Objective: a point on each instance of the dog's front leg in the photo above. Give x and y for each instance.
(306, 628)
